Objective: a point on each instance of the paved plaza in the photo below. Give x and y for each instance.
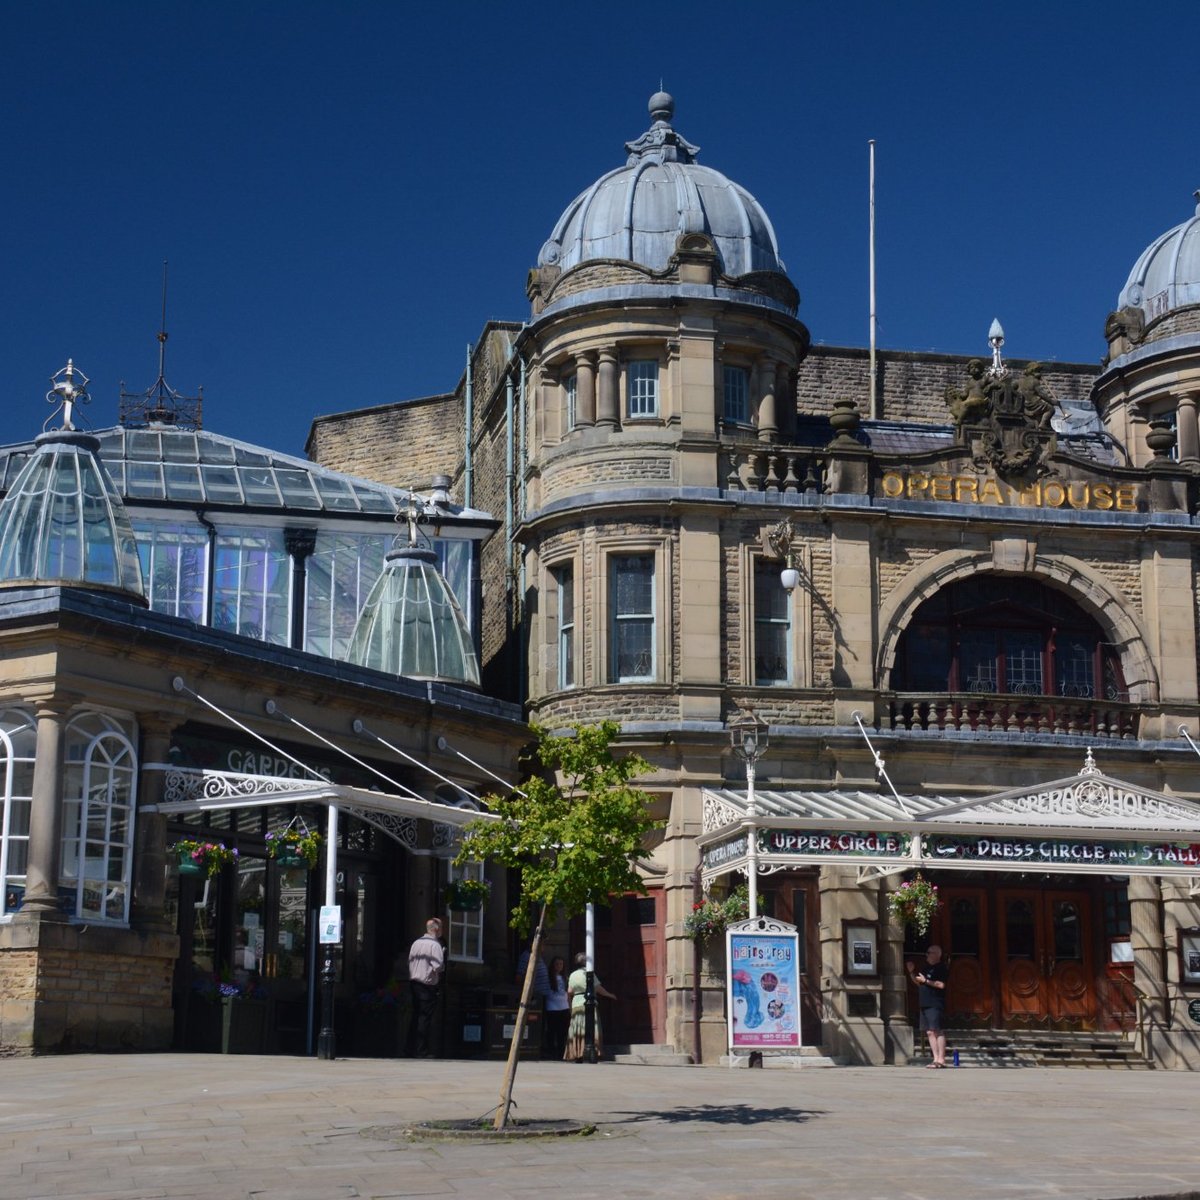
(147, 1126)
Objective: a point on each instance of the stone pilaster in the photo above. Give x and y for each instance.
(1149, 976)
(1187, 429)
(608, 397)
(898, 1027)
(46, 815)
(768, 425)
(585, 390)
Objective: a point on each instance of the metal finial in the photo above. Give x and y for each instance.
(996, 340)
(1089, 764)
(68, 387)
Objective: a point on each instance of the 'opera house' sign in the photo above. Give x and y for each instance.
(975, 489)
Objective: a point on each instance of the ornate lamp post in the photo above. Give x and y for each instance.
(748, 736)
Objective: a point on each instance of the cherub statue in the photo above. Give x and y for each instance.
(970, 404)
(1037, 402)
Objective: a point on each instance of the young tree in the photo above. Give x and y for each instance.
(575, 833)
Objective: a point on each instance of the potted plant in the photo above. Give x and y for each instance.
(467, 895)
(295, 847)
(202, 858)
(227, 1015)
(711, 917)
(914, 903)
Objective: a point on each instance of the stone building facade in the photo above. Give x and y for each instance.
(990, 574)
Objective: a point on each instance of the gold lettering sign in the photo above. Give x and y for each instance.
(970, 489)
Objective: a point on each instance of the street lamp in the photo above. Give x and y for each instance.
(780, 538)
(748, 735)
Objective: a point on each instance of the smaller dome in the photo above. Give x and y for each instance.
(411, 624)
(63, 521)
(1167, 274)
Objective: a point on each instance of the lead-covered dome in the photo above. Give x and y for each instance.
(638, 212)
(1167, 274)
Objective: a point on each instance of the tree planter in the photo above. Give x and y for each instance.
(230, 1025)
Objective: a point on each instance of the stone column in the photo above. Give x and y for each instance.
(585, 390)
(768, 427)
(898, 1028)
(46, 815)
(1149, 975)
(1187, 428)
(608, 401)
(150, 838)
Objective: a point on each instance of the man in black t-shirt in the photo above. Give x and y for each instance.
(931, 995)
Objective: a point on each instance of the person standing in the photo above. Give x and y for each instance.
(558, 1010)
(931, 996)
(537, 997)
(577, 1031)
(426, 961)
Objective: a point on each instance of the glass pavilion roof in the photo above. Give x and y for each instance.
(187, 466)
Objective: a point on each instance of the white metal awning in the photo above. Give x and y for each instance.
(191, 790)
(1088, 822)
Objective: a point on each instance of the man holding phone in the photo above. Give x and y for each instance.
(931, 996)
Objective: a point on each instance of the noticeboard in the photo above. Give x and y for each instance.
(763, 982)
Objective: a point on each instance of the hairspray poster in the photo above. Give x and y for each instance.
(764, 990)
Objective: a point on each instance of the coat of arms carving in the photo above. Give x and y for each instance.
(1005, 419)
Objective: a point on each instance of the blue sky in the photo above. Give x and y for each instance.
(347, 191)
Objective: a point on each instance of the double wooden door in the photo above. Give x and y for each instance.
(1019, 956)
(1045, 955)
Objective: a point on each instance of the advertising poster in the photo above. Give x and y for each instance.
(764, 990)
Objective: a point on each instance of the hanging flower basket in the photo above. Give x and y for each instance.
(711, 917)
(202, 858)
(914, 902)
(467, 895)
(295, 847)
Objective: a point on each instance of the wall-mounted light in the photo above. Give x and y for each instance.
(780, 539)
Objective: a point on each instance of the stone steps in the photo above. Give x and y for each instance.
(647, 1055)
(1017, 1048)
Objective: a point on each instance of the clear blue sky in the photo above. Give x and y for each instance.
(347, 191)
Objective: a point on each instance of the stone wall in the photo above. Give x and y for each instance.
(403, 445)
(911, 385)
(65, 988)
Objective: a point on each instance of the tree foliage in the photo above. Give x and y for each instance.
(575, 840)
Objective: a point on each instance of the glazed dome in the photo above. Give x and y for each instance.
(637, 212)
(1167, 274)
(411, 624)
(63, 521)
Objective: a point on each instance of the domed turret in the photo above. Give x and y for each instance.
(638, 212)
(1166, 276)
(63, 521)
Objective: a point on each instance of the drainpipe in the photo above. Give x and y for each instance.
(524, 633)
(510, 602)
(468, 466)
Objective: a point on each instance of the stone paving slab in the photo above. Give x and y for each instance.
(148, 1127)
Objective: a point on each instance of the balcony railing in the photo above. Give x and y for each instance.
(1019, 716)
(776, 469)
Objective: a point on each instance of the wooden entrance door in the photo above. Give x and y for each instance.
(962, 933)
(1045, 956)
(629, 961)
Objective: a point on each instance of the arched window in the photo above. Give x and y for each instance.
(1002, 636)
(18, 747)
(99, 792)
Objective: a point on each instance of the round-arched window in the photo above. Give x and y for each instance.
(18, 748)
(997, 635)
(99, 792)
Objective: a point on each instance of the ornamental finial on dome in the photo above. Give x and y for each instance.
(660, 142)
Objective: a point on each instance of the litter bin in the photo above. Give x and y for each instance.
(501, 1022)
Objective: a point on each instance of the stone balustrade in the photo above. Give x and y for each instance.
(1021, 716)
